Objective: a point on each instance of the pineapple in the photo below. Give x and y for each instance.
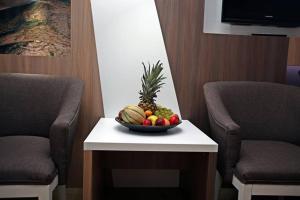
(151, 84)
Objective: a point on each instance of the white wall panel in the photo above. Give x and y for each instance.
(128, 33)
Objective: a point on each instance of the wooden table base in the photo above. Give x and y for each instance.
(197, 171)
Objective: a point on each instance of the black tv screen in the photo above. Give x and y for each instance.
(284, 13)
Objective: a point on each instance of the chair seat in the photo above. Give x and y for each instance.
(25, 160)
(268, 162)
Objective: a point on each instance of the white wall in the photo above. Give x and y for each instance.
(128, 33)
(213, 24)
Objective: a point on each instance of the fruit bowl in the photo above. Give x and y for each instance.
(147, 129)
(148, 116)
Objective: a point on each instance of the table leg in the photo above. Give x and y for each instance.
(211, 176)
(198, 182)
(92, 177)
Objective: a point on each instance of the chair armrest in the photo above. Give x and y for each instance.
(224, 130)
(63, 129)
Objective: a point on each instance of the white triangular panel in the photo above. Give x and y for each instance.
(127, 33)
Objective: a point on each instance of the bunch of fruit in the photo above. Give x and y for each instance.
(163, 112)
(136, 115)
(147, 113)
(154, 120)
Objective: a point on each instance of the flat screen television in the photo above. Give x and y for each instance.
(283, 13)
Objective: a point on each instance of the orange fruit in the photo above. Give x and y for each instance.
(148, 113)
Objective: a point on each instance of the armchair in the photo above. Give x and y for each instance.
(38, 117)
(257, 127)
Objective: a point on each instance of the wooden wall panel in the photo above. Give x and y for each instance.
(82, 63)
(196, 58)
(294, 52)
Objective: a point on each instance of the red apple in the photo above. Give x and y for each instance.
(147, 122)
(175, 115)
(160, 122)
(174, 120)
(167, 122)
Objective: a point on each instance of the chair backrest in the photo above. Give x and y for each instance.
(30, 103)
(266, 111)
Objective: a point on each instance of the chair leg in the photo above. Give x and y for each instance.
(245, 193)
(45, 195)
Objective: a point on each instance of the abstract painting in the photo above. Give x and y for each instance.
(35, 27)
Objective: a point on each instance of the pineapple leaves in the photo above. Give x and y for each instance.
(151, 81)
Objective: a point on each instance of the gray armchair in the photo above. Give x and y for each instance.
(257, 127)
(38, 117)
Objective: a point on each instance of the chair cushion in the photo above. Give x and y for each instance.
(26, 160)
(268, 162)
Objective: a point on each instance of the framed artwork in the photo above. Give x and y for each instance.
(35, 27)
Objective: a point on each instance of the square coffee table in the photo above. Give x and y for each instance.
(112, 146)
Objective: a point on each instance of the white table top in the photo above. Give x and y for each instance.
(108, 135)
